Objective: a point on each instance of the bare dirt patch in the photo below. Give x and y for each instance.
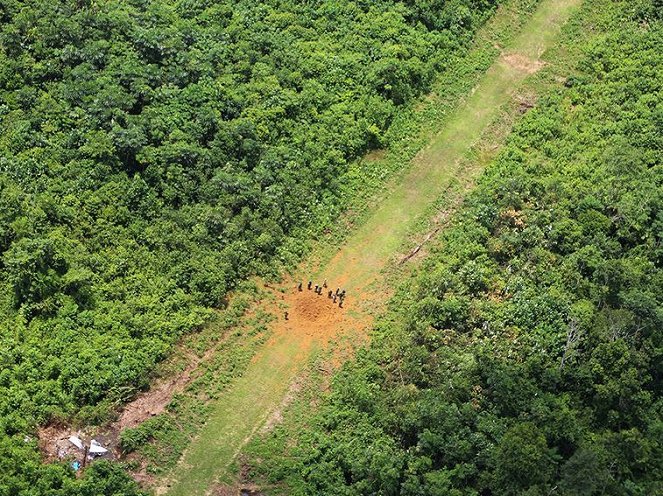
(522, 63)
(55, 445)
(315, 318)
(155, 401)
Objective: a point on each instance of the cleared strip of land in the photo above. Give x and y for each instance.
(244, 407)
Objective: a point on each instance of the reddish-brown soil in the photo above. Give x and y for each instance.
(314, 319)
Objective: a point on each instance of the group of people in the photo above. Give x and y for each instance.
(332, 295)
(335, 296)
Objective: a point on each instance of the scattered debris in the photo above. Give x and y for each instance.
(76, 441)
(96, 449)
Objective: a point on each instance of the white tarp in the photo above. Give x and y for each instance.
(96, 448)
(76, 442)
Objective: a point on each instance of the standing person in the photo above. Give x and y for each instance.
(324, 283)
(300, 286)
(309, 285)
(337, 291)
(286, 316)
(316, 288)
(329, 293)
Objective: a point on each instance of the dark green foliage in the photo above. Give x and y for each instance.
(37, 479)
(530, 357)
(132, 439)
(155, 153)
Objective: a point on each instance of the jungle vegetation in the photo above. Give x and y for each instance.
(154, 153)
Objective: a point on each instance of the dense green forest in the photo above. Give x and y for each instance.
(526, 357)
(154, 153)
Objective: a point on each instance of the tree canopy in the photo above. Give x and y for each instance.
(155, 152)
